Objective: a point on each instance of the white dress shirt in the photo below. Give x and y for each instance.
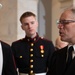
(1, 59)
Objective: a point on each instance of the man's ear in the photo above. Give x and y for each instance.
(37, 23)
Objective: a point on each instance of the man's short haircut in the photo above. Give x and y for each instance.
(27, 14)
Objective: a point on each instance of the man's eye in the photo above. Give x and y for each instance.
(25, 24)
(65, 22)
(32, 22)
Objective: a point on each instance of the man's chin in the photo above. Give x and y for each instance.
(63, 39)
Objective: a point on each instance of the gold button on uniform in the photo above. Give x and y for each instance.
(20, 56)
(31, 60)
(42, 51)
(31, 49)
(42, 55)
(31, 66)
(32, 44)
(31, 55)
(31, 71)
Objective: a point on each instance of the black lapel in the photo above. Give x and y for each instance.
(71, 68)
(62, 54)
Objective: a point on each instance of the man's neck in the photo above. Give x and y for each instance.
(32, 36)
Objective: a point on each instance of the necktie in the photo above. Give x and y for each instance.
(70, 55)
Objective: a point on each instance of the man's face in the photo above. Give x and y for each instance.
(29, 25)
(67, 27)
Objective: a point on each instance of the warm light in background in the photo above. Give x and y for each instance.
(0, 5)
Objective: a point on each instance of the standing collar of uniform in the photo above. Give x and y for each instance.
(29, 39)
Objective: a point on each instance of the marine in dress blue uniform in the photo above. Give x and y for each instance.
(32, 55)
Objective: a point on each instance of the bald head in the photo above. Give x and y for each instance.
(67, 26)
(70, 11)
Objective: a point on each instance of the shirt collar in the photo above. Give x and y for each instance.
(71, 45)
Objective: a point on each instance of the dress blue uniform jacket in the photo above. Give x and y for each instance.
(9, 67)
(32, 55)
(58, 63)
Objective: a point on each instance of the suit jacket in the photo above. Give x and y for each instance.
(8, 66)
(58, 63)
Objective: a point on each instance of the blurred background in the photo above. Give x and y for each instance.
(47, 11)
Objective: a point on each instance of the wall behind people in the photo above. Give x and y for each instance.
(9, 18)
(10, 26)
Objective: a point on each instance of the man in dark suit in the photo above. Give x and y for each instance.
(63, 60)
(32, 53)
(7, 65)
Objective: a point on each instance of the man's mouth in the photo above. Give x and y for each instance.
(61, 34)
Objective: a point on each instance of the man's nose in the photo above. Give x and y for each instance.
(29, 25)
(60, 26)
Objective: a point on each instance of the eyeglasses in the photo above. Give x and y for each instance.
(65, 21)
